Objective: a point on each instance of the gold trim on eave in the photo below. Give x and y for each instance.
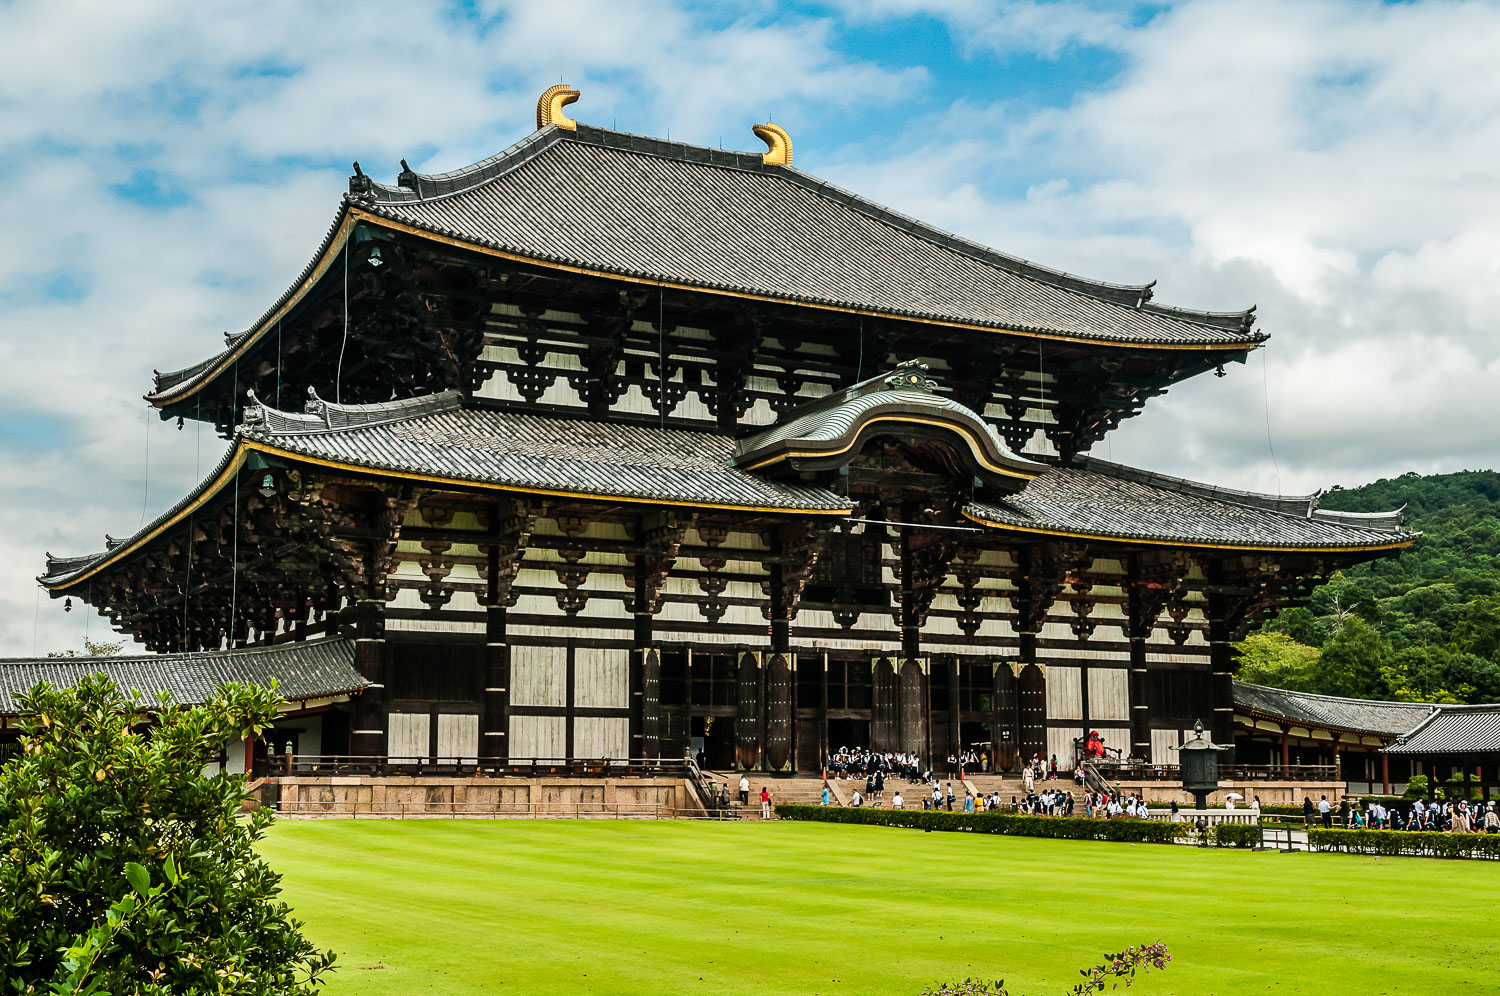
(1170, 542)
(549, 107)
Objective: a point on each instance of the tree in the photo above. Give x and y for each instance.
(1351, 661)
(125, 868)
(92, 648)
(1277, 660)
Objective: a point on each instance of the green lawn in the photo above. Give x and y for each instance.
(662, 907)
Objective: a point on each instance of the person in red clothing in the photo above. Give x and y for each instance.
(765, 803)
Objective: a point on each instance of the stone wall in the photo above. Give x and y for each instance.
(396, 796)
(1270, 793)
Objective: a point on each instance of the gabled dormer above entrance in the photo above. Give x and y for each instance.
(902, 404)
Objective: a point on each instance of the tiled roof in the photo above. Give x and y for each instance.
(439, 438)
(435, 437)
(641, 207)
(1454, 729)
(315, 669)
(1330, 711)
(1099, 499)
(633, 206)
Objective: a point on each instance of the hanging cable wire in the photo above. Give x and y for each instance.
(187, 585)
(859, 371)
(338, 377)
(234, 564)
(146, 487)
(1265, 394)
(661, 355)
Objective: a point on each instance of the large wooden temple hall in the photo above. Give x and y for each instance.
(615, 447)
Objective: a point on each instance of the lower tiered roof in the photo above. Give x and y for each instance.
(437, 439)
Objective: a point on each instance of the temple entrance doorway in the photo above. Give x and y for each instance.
(851, 733)
(715, 738)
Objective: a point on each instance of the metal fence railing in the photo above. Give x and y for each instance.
(364, 764)
(423, 809)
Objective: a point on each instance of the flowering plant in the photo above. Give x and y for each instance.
(1121, 966)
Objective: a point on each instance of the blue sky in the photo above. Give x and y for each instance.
(169, 168)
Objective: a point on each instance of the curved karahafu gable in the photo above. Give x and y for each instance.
(830, 432)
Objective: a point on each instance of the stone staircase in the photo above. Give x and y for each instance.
(803, 790)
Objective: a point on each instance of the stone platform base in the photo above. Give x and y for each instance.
(398, 797)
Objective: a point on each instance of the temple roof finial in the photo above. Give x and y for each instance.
(778, 144)
(549, 107)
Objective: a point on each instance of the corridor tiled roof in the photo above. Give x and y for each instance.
(315, 669)
(1331, 711)
(1454, 729)
(1098, 499)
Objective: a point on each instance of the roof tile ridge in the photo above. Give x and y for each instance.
(1336, 698)
(414, 188)
(1231, 321)
(1273, 504)
(232, 341)
(77, 564)
(262, 421)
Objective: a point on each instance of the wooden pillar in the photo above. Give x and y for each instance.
(823, 715)
(1139, 624)
(911, 631)
(640, 701)
(1221, 664)
(1286, 755)
(570, 700)
(955, 715)
(496, 718)
(367, 738)
(1385, 773)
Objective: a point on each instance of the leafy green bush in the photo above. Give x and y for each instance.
(127, 869)
(1235, 835)
(1393, 843)
(1012, 824)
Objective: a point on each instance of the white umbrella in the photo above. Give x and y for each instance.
(1233, 795)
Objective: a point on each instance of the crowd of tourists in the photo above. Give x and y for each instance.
(860, 762)
(1436, 816)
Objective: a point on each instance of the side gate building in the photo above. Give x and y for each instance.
(612, 447)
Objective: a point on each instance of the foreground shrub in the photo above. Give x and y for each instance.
(1123, 965)
(1012, 824)
(1394, 843)
(128, 870)
(1235, 835)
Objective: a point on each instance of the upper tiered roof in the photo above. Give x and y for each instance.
(608, 203)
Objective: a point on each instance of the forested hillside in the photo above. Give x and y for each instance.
(1423, 626)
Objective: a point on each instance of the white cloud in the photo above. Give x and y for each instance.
(1335, 163)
